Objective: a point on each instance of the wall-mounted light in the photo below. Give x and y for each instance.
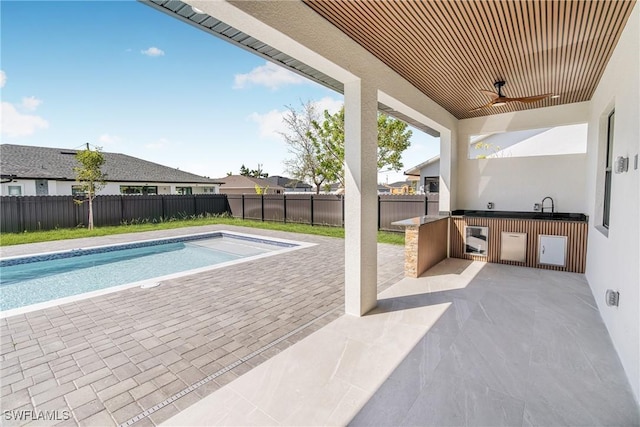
(612, 298)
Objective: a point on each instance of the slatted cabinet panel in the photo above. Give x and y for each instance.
(576, 233)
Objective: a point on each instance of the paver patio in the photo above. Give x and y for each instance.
(108, 359)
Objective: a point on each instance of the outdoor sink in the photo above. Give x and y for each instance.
(555, 216)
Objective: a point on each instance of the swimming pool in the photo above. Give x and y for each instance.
(33, 280)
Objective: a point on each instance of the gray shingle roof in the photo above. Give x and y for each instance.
(288, 182)
(241, 181)
(57, 163)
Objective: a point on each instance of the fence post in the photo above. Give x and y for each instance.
(262, 207)
(311, 200)
(379, 210)
(284, 208)
(242, 197)
(426, 205)
(342, 202)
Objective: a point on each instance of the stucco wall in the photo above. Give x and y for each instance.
(613, 256)
(516, 183)
(63, 188)
(28, 187)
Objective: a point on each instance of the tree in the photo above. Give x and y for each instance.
(328, 141)
(90, 176)
(256, 173)
(304, 165)
(261, 190)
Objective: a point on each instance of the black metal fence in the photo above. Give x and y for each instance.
(30, 213)
(321, 209)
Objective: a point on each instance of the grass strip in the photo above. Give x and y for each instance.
(8, 239)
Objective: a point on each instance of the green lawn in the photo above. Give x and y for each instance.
(7, 239)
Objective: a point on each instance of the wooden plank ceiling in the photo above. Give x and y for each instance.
(450, 50)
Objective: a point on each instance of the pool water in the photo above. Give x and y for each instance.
(45, 280)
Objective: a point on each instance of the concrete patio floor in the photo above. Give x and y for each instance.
(468, 343)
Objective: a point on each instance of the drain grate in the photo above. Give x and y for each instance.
(222, 371)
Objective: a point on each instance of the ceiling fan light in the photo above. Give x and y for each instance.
(196, 10)
(498, 104)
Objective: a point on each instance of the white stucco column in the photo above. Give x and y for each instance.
(361, 208)
(448, 159)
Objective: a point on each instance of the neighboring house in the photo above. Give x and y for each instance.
(240, 184)
(290, 185)
(397, 188)
(42, 171)
(428, 174)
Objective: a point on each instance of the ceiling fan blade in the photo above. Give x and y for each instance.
(484, 106)
(490, 94)
(530, 99)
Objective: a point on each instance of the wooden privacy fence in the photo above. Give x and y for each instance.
(29, 213)
(325, 209)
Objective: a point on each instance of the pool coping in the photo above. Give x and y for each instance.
(287, 246)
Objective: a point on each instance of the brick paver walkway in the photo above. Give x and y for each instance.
(106, 360)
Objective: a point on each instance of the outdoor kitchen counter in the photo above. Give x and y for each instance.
(425, 242)
(531, 227)
(546, 216)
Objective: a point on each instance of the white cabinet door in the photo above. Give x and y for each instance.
(552, 249)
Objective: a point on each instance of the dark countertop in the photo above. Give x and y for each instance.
(549, 216)
(419, 220)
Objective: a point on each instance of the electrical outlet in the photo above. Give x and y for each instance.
(536, 207)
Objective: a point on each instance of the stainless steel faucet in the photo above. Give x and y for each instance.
(542, 204)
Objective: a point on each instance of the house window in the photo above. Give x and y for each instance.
(184, 190)
(432, 185)
(78, 190)
(608, 170)
(138, 189)
(15, 190)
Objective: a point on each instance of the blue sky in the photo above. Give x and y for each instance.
(133, 80)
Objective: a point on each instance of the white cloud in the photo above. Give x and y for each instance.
(15, 123)
(31, 103)
(3, 78)
(153, 51)
(270, 75)
(271, 124)
(107, 139)
(160, 144)
(329, 104)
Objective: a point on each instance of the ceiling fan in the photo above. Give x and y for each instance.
(498, 99)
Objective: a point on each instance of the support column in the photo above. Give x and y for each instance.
(361, 193)
(448, 158)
